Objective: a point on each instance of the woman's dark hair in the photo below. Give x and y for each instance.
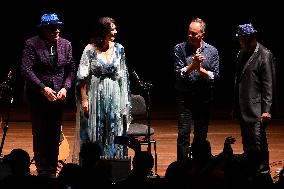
(101, 30)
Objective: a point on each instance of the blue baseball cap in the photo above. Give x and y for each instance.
(49, 19)
(245, 29)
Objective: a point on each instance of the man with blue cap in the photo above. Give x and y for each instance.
(254, 88)
(49, 71)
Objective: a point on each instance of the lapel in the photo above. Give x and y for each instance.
(43, 51)
(59, 51)
(250, 60)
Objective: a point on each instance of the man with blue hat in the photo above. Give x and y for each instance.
(254, 88)
(49, 70)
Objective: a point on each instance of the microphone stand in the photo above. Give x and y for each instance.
(147, 87)
(5, 128)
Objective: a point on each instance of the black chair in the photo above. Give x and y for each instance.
(140, 130)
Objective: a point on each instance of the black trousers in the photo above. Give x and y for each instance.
(255, 145)
(46, 118)
(191, 111)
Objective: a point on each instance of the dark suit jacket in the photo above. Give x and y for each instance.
(255, 84)
(39, 71)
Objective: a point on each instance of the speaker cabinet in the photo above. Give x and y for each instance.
(120, 168)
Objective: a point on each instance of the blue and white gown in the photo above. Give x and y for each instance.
(109, 100)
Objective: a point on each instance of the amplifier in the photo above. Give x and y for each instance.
(120, 168)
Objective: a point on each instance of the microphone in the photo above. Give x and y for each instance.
(140, 82)
(138, 79)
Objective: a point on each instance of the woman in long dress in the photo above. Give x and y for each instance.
(103, 92)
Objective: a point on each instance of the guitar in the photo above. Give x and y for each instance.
(64, 148)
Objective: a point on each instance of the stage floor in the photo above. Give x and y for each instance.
(19, 135)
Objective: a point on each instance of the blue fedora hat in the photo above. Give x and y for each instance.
(49, 19)
(245, 29)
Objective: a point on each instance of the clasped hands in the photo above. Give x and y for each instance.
(197, 59)
(51, 95)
